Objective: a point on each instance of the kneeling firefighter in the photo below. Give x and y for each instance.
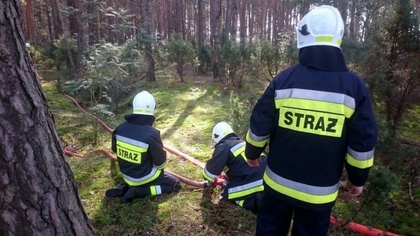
(141, 157)
(244, 183)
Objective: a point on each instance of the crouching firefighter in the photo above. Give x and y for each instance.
(244, 183)
(140, 153)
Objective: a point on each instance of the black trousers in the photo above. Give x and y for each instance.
(250, 203)
(275, 217)
(165, 183)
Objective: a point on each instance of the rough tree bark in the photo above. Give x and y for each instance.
(38, 194)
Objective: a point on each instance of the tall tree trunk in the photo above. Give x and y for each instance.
(234, 23)
(49, 23)
(177, 17)
(242, 21)
(80, 35)
(215, 13)
(57, 19)
(147, 39)
(250, 7)
(228, 21)
(29, 21)
(76, 30)
(201, 36)
(38, 193)
(73, 25)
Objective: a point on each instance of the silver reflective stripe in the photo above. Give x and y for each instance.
(305, 188)
(151, 174)
(360, 156)
(237, 146)
(209, 174)
(158, 190)
(245, 186)
(160, 167)
(131, 141)
(323, 96)
(257, 138)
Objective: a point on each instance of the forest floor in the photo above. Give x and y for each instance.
(186, 113)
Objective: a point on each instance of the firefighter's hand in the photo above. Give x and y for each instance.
(253, 163)
(352, 190)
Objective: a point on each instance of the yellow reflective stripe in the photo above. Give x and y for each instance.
(313, 122)
(302, 192)
(155, 190)
(246, 192)
(143, 111)
(321, 106)
(208, 176)
(246, 189)
(324, 38)
(130, 149)
(255, 142)
(129, 152)
(360, 160)
(238, 149)
(362, 164)
(240, 203)
(144, 180)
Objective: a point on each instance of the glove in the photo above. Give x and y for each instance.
(352, 190)
(253, 163)
(220, 180)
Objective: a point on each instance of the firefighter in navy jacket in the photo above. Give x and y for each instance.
(244, 183)
(317, 118)
(140, 153)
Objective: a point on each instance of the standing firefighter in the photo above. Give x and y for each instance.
(244, 183)
(318, 118)
(140, 153)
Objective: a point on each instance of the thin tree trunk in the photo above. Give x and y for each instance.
(201, 36)
(242, 20)
(38, 193)
(29, 21)
(215, 13)
(57, 19)
(146, 39)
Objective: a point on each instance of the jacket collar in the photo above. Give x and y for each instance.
(325, 58)
(231, 135)
(140, 119)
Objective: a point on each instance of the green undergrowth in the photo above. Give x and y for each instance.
(185, 115)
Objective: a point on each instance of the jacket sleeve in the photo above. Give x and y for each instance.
(261, 123)
(156, 151)
(361, 139)
(217, 162)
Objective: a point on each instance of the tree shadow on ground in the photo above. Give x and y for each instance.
(138, 217)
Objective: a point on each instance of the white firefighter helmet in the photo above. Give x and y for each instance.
(144, 103)
(220, 131)
(321, 26)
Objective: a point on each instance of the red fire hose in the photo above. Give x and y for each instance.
(361, 229)
(354, 227)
